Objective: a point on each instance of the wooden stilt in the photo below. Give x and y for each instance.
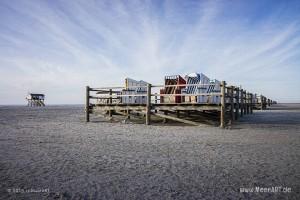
(251, 103)
(222, 117)
(148, 105)
(87, 104)
(237, 105)
(155, 102)
(110, 102)
(242, 103)
(165, 119)
(128, 114)
(261, 102)
(245, 102)
(232, 103)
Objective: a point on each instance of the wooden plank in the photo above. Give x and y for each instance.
(132, 113)
(185, 95)
(186, 107)
(120, 104)
(104, 115)
(164, 104)
(118, 108)
(121, 113)
(93, 97)
(177, 119)
(186, 104)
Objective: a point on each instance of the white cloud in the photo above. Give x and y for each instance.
(58, 48)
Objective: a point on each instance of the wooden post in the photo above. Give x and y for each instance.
(237, 105)
(87, 104)
(165, 120)
(128, 114)
(245, 103)
(248, 103)
(251, 103)
(148, 105)
(261, 102)
(110, 102)
(266, 103)
(155, 102)
(232, 103)
(223, 106)
(242, 102)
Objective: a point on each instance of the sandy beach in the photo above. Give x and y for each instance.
(51, 153)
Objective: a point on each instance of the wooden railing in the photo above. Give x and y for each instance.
(233, 100)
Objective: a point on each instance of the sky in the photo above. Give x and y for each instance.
(57, 47)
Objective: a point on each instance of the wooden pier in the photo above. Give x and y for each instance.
(234, 103)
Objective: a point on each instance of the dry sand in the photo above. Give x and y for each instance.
(53, 148)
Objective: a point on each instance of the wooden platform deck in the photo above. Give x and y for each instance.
(234, 103)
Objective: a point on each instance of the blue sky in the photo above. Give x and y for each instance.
(58, 47)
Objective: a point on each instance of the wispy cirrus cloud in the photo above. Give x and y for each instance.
(58, 47)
